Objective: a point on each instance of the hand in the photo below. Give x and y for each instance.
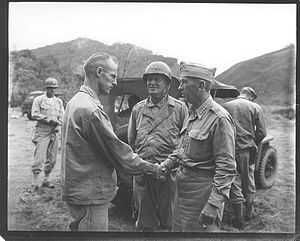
(53, 122)
(208, 215)
(164, 171)
(158, 172)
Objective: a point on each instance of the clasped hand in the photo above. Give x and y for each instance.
(162, 172)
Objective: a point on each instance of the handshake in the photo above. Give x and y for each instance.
(160, 171)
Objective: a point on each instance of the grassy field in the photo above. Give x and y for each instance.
(44, 211)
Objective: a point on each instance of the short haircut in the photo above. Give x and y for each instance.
(96, 60)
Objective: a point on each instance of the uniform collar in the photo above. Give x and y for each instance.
(206, 105)
(86, 89)
(161, 103)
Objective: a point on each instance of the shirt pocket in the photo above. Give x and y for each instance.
(199, 144)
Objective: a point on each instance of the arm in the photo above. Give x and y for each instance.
(225, 171)
(260, 127)
(120, 154)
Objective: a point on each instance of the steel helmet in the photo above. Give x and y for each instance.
(51, 83)
(158, 67)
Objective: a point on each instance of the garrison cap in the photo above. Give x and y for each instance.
(195, 70)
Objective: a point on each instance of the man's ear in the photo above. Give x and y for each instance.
(99, 71)
(201, 85)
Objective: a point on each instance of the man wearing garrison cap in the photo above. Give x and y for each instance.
(205, 155)
(91, 150)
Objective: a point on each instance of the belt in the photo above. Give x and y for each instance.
(195, 169)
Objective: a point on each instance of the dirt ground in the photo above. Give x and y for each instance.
(44, 211)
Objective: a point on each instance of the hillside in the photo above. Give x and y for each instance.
(64, 61)
(132, 59)
(271, 75)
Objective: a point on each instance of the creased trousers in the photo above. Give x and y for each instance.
(245, 180)
(45, 153)
(89, 217)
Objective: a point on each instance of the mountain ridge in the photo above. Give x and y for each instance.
(64, 60)
(272, 75)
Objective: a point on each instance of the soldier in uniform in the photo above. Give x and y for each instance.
(47, 110)
(250, 130)
(91, 150)
(205, 155)
(153, 132)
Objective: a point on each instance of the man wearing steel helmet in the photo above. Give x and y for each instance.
(250, 130)
(91, 151)
(205, 155)
(48, 110)
(153, 132)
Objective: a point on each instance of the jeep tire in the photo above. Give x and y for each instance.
(267, 168)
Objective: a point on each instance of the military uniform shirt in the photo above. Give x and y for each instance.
(153, 128)
(208, 143)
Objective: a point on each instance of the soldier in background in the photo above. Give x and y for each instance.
(48, 111)
(205, 155)
(250, 130)
(153, 132)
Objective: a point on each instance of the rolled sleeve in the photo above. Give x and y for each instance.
(224, 153)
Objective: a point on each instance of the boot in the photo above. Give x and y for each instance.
(238, 221)
(249, 211)
(35, 182)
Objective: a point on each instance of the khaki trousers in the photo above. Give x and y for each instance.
(245, 180)
(89, 217)
(45, 153)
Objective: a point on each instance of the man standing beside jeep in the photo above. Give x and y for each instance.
(250, 130)
(91, 150)
(47, 110)
(153, 131)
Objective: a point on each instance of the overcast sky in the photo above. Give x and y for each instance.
(216, 35)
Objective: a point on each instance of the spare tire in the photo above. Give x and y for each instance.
(267, 168)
